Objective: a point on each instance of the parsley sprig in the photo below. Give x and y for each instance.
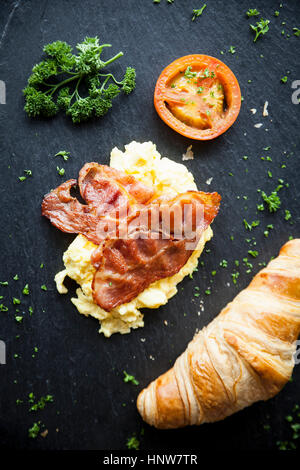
(262, 27)
(56, 82)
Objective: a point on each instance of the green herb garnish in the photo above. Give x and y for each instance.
(296, 32)
(63, 153)
(188, 72)
(253, 253)
(262, 27)
(133, 443)
(41, 403)
(60, 171)
(287, 215)
(253, 224)
(252, 12)
(273, 201)
(130, 378)
(34, 430)
(197, 13)
(26, 290)
(62, 69)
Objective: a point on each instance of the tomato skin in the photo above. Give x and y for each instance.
(231, 88)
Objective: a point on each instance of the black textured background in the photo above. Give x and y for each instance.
(82, 369)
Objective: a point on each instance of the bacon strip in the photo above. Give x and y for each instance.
(101, 184)
(68, 214)
(129, 266)
(105, 190)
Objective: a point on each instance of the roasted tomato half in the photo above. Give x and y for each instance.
(198, 96)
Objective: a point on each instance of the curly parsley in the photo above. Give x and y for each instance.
(84, 70)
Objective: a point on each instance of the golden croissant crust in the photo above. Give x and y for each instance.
(244, 355)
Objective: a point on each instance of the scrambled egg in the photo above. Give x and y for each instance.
(145, 163)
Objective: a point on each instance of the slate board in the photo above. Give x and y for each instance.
(80, 368)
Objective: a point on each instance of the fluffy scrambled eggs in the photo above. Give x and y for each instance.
(144, 162)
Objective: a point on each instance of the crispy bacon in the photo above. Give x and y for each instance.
(106, 191)
(130, 265)
(101, 184)
(68, 214)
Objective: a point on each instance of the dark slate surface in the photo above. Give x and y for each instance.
(80, 368)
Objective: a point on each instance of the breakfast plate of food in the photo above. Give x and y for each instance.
(150, 271)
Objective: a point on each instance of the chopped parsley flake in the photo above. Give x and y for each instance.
(41, 403)
(188, 72)
(224, 263)
(44, 287)
(235, 277)
(287, 215)
(252, 253)
(130, 378)
(198, 12)
(133, 443)
(63, 153)
(26, 290)
(252, 12)
(34, 430)
(60, 171)
(253, 224)
(273, 201)
(296, 32)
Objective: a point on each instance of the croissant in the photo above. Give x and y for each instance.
(244, 355)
